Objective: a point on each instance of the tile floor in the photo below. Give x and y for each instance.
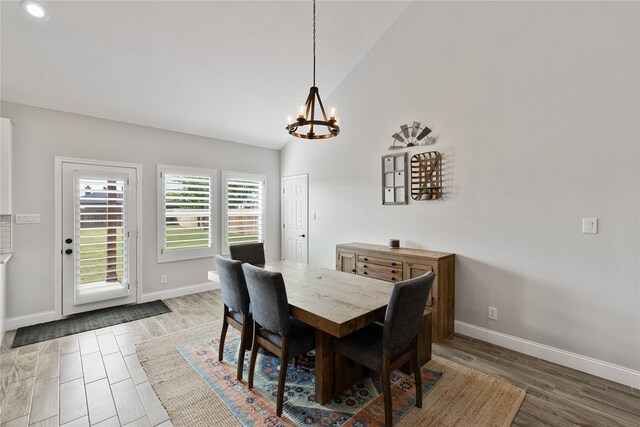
(93, 378)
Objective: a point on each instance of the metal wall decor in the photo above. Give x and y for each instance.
(426, 176)
(394, 179)
(305, 125)
(411, 136)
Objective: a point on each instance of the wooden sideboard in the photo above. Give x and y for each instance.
(395, 265)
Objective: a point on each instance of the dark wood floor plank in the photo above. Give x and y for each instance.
(582, 377)
(551, 380)
(502, 353)
(582, 413)
(540, 410)
(470, 348)
(621, 400)
(525, 419)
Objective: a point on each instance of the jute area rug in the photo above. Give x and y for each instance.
(463, 397)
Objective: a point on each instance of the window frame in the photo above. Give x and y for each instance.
(186, 254)
(224, 204)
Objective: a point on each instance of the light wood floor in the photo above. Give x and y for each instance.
(95, 378)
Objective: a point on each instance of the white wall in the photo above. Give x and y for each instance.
(535, 107)
(40, 135)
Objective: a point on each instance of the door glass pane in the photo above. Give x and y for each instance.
(101, 261)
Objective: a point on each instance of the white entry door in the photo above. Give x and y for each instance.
(295, 207)
(99, 237)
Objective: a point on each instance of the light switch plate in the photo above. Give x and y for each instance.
(27, 218)
(589, 225)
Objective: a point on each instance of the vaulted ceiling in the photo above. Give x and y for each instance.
(223, 69)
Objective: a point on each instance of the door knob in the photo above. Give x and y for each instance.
(300, 235)
(68, 241)
(68, 251)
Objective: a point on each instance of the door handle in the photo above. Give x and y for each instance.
(300, 235)
(68, 241)
(68, 251)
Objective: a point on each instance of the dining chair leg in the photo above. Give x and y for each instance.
(254, 353)
(386, 390)
(295, 362)
(223, 333)
(243, 345)
(417, 374)
(284, 363)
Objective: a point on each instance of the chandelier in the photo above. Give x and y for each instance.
(305, 125)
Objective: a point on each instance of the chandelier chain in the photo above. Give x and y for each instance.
(314, 42)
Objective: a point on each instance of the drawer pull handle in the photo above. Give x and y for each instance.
(393, 271)
(366, 259)
(364, 272)
(354, 270)
(393, 264)
(393, 279)
(365, 266)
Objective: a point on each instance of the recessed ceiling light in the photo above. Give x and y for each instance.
(35, 9)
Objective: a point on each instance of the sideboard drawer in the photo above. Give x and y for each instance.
(379, 261)
(389, 277)
(367, 266)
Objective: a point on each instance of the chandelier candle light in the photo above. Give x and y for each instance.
(305, 124)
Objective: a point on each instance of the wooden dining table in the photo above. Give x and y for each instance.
(336, 304)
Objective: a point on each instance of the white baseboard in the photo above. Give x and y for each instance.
(178, 292)
(30, 319)
(592, 366)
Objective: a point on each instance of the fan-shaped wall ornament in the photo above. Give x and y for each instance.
(410, 136)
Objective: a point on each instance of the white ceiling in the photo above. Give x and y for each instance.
(223, 69)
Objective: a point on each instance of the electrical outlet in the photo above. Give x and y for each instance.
(163, 279)
(589, 225)
(493, 313)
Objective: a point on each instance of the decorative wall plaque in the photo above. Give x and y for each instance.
(426, 176)
(394, 179)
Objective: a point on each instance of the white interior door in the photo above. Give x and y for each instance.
(99, 234)
(295, 208)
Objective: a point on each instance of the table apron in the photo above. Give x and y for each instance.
(338, 330)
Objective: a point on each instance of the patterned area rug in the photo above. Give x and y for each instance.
(360, 405)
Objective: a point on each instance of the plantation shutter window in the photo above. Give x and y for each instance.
(244, 207)
(101, 237)
(187, 222)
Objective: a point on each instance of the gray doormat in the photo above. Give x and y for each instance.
(87, 322)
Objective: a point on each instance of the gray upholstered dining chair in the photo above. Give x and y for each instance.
(383, 348)
(237, 313)
(273, 328)
(252, 253)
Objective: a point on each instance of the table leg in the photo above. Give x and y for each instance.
(324, 369)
